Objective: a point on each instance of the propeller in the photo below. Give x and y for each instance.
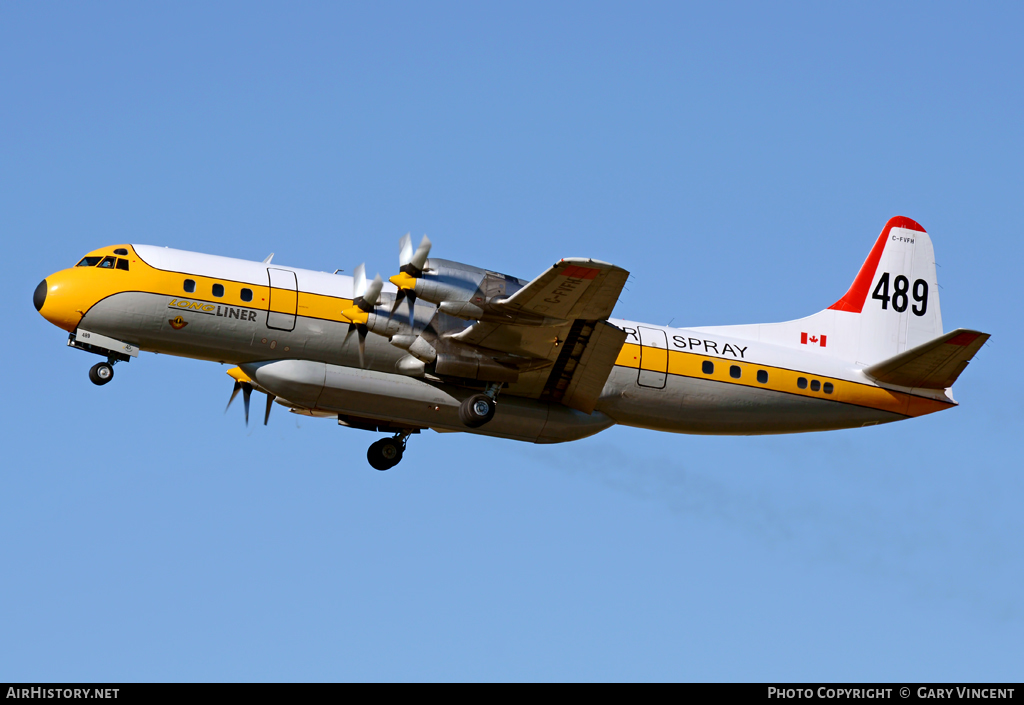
(414, 261)
(246, 389)
(244, 385)
(411, 268)
(270, 402)
(358, 314)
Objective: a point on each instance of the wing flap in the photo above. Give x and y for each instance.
(933, 365)
(579, 374)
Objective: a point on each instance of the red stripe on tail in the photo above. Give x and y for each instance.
(854, 299)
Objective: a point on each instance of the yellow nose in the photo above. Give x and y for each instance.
(55, 300)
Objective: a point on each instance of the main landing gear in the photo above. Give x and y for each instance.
(478, 409)
(101, 373)
(387, 452)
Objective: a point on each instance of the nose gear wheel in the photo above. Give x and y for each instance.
(101, 373)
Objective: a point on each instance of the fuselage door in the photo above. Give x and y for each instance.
(653, 358)
(284, 299)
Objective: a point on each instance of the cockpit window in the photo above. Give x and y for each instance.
(121, 251)
(108, 263)
(88, 262)
(122, 264)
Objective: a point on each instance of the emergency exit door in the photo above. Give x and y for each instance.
(284, 299)
(653, 358)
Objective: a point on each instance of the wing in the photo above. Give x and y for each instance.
(557, 323)
(573, 288)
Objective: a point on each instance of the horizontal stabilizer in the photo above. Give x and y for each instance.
(933, 365)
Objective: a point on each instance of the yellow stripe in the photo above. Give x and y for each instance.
(93, 285)
(780, 379)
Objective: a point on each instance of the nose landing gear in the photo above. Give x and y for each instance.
(101, 373)
(387, 452)
(114, 350)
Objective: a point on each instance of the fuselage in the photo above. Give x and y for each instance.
(252, 314)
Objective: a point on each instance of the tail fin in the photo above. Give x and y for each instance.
(895, 296)
(892, 305)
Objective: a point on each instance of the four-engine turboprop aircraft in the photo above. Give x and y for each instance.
(453, 347)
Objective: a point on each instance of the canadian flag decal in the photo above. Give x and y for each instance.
(812, 339)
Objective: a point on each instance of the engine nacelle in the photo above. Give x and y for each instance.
(444, 280)
(417, 347)
(479, 368)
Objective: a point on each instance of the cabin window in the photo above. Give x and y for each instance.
(89, 262)
(815, 385)
(121, 251)
(762, 376)
(827, 388)
(707, 367)
(218, 290)
(801, 382)
(122, 264)
(735, 372)
(190, 286)
(246, 294)
(108, 263)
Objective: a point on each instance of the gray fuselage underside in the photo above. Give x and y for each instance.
(684, 405)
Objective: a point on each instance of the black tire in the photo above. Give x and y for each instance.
(384, 454)
(477, 410)
(101, 373)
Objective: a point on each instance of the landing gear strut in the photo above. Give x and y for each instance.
(101, 373)
(478, 409)
(387, 452)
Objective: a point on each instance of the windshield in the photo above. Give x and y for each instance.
(88, 262)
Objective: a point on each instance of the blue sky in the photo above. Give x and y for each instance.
(739, 159)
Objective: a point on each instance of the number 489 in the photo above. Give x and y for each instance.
(901, 287)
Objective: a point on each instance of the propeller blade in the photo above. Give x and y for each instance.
(362, 347)
(373, 290)
(405, 250)
(359, 281)
(403, 295)
(246, 393)
(422, 252)
(351, 327)
(411, 295)
(234, 393)
(270, 401)
(398, 300)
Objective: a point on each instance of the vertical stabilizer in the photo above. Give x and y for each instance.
(892, 305)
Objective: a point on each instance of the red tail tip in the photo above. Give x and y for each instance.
(854, 299)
